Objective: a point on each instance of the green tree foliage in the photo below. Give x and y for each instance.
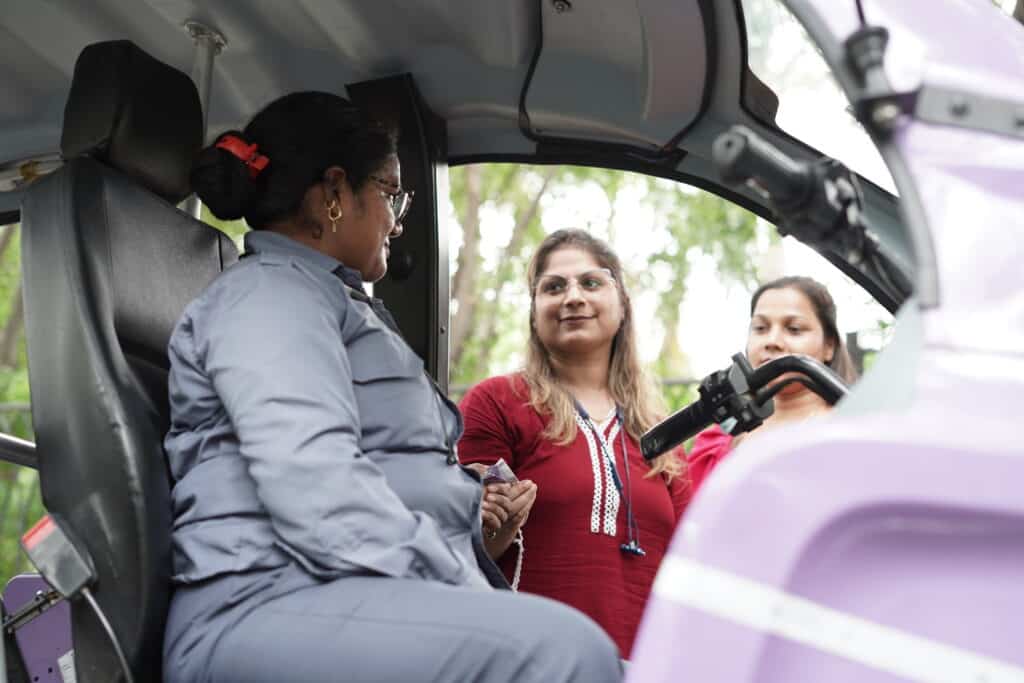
(20, 503)
(697, 222)
(233, 229)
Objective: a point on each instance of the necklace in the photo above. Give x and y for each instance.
(603, 423)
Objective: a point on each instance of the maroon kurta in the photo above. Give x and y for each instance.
(709, 448)
(578, 522)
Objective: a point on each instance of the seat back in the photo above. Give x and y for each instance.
(109, 264)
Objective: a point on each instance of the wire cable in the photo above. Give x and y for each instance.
(110, 634)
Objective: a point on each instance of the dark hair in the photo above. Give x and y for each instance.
(302, 135)
(825, 310)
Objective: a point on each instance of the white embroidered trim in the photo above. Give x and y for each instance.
(611, 501)
(595, 466)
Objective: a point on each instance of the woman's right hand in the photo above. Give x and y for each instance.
(522, 496)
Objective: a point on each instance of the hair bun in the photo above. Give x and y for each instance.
(222, 180)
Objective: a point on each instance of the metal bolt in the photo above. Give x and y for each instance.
(562, 6)
(443, 329)
(200, 32)
(1018, 119)
(885, 114)
(959, 107)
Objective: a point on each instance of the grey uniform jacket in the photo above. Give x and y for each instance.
(303, 429)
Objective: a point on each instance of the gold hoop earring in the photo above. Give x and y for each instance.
(332, 216)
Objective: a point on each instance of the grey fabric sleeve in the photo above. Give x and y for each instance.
(277, 360)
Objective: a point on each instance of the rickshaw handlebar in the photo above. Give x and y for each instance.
(740, 398)
(742, 156)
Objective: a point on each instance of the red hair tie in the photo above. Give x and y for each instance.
(247, 153)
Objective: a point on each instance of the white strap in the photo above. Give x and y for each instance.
(773, 611)
(520, 552)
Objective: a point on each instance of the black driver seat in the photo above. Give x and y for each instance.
(109, 265)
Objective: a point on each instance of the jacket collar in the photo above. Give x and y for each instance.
(268, 241)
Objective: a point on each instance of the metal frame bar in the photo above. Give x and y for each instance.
(209, 42)
(18, 451)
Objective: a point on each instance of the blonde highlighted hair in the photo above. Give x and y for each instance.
(630, 387)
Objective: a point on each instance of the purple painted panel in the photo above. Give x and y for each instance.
(969, 181)
(46, 638)
(886, 546)
(971, 197)
(908, 534)
(960, 43)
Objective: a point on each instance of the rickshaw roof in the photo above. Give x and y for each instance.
(645, 86)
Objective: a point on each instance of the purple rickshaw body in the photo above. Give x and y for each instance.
(886, 542)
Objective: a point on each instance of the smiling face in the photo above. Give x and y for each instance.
(577, 308)
(367, 226)
(783, 323)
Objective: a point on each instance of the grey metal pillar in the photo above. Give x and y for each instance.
(209, 42)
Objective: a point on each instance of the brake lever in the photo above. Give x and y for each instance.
(742, 411)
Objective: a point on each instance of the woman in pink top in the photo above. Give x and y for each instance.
(787, 316)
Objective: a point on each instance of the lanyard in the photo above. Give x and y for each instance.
(609, 455)
(632, 545)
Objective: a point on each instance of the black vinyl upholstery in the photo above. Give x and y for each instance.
(108, 268)
(134, 113)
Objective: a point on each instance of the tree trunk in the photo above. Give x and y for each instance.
(5, 240)
(467, 265)
(11, 334)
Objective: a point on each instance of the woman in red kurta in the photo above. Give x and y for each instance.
(578, 523)
(570, 423)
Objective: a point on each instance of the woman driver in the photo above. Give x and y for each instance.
(322, 528)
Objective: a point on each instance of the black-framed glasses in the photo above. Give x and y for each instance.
(400, 199)
(592, 282)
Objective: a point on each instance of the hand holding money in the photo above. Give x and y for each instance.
(506, 504)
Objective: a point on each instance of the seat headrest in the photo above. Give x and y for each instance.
(136, 114)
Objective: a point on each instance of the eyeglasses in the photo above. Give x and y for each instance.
(591, 282)
(400, 199)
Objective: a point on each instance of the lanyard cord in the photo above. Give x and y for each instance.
(630, 519)
(602, 444)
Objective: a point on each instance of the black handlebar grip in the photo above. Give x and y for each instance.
(675, 429)
(741, 155)
(827, 383)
